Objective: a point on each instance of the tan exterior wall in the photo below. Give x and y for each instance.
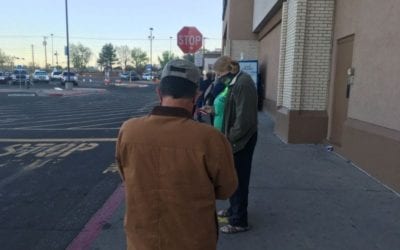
(371, 132)
(261, 9)
(239, 41)
(376, 58)
(269, 62)
(240, 26)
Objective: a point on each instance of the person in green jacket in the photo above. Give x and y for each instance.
(218, 105)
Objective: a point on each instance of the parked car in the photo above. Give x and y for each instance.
(72, 78)
(56, 75)
(5, 77)
(20, 76)
(130, 75)
(2, 78)
(40, 76)
(147, 76)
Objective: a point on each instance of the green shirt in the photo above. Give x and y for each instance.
(219, 106)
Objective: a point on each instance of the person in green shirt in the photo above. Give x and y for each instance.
(218, 105)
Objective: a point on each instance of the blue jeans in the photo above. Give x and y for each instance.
(239, 200)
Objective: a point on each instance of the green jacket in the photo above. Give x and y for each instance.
(240, 113)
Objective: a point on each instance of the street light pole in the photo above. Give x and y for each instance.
(45, 51)
(52, 50)
(151, 37)
(67, 84)
(33, 58)
(56, 54)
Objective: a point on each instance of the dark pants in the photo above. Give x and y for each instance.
(239, 200)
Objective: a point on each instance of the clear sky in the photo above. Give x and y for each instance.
(96, 22)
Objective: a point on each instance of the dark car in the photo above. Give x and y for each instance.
(72, 78)
(131, 75)
(3, 78)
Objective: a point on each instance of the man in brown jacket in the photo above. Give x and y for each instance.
(174, 168)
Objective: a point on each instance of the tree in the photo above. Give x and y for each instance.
(189, 57)
(80, 56)
(139, 58)
(107, 56)
(3, 58)
(124, 55)
(166, 57)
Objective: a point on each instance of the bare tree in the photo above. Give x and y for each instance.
(124, 55)
(3, 58)
(139, 58)
(80, 56)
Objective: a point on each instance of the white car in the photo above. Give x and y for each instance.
(56, 75)
(147, 76)
(40, 76)
(72, 78)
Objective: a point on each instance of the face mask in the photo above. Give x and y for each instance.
(226, 79)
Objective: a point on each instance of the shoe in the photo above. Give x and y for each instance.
(229, 229)
(223, 213)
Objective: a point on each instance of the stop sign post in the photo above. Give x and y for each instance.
(189, 39)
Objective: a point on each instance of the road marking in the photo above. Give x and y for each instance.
(34, 165)
(20, 94)
(93, 228)
(59, 140)
(47, 150)
(113, 168)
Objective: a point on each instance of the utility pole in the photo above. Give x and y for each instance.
(151, 37)
(52, 50)
(33, 58)
(56, 54)
(170, 47)
(204, 45)
(45, 51)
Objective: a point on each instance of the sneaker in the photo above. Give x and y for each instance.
(223, 213)
(229, 229)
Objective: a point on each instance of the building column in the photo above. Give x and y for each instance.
(282, 55)
(304, 70)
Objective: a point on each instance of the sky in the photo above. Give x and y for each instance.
(94, 23)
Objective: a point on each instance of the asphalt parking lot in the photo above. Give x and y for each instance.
(57, 160)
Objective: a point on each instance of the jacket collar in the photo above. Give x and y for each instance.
(171, 111)
(235, 78)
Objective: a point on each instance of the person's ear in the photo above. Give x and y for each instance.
(158, 91)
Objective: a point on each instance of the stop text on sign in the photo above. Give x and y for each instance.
(189, 40)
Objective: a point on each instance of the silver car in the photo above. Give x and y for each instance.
(72, 78)
(40, 76)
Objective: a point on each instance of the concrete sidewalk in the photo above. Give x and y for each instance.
(301, 197)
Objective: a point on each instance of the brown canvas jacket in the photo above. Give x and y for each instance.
(174, 168)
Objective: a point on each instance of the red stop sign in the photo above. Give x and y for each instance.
(189, 39)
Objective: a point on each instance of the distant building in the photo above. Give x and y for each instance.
(209, 60)
(330, 70)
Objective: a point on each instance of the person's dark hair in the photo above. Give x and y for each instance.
(209, 75)
(177, 87)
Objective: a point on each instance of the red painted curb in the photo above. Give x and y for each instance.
(93, 228)
(55, 94)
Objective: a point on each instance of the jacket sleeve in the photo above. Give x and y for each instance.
(221, 168)
(245, 101)
(118, 154)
